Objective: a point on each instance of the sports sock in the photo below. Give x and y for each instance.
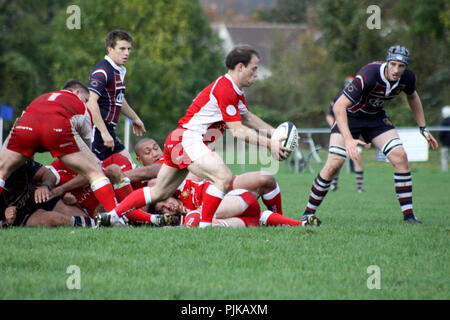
(83, 222)
(272, 200)
(104, 193)
(134, 200)
(2, 185)
(123, 189)
(269, 218)
(211, 201)
(318, 192)
(403, 191)
(141, 216)
(359, 175)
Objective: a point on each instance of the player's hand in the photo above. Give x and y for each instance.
(42, 194)
(279, 152)
(432, 142)
(10, 215)
(108, 141)
(138, 127)
(351, 146)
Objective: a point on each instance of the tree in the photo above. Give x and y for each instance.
(174, 54)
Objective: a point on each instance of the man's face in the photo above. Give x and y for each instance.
(170, 206)
(249, 73)
(120, 53)
(394, 70)
(148, 152)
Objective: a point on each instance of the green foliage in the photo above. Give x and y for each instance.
(174, 54)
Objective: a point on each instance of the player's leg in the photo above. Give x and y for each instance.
(391, 146)
(43, 218)
(322, 183)
(264, 184)
(9, 162)
(359, 173)
(85, 163)
(211, 166)
(169, 178)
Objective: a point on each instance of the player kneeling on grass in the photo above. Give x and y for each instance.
(26, 201)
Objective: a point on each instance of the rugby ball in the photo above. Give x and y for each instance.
(289, 130)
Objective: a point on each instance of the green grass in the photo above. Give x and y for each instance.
(330, 262)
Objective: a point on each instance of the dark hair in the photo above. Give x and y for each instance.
(240, 54)
(74, 84)
(143, 140)
(117, 35)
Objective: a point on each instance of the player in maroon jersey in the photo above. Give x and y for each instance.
(359, 110)
(58, 122)
(107, 97)
(219, 105)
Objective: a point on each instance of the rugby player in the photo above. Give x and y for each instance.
(107, 97)
(220, 105)
(58, 122)
(359, 110)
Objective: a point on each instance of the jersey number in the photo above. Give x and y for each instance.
(53, 96)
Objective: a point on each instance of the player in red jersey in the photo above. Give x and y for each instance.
(58, 122)
(359, 110)
(263, 184)
(239, 208)
(219, 105)
(107, 96)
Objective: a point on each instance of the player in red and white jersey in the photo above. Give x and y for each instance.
(219, 104)
(58, 122)
(239, 208)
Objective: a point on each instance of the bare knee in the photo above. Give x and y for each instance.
(114, 173)
(266, 183)
(399, 160)
(224, 179)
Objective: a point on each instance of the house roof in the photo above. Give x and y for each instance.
(261, 36)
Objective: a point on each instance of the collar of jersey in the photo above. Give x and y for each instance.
(386, 81)
(235, 87)
(122, 70)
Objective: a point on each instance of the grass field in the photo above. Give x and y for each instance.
(329, 262)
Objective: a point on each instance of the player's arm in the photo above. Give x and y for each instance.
(45, 180)
(143, 173)
(417, 109)
(94, 108)
(252, 121)
(138, 125)
(242, 132)
(340, 113)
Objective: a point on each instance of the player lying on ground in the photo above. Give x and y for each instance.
(239, 208)
(26, 201)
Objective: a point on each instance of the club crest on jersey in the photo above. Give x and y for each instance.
(94, 83)
(231, 110)
(185, 194)
(119, 98)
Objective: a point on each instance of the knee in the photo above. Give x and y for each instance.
(266, 182)
(399, 159)
(114, 173)
(224, 178)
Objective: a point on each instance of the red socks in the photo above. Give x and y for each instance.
(272, 200)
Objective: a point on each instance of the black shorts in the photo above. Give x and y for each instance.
(99, 149)
(368, 127)
(23, 215)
